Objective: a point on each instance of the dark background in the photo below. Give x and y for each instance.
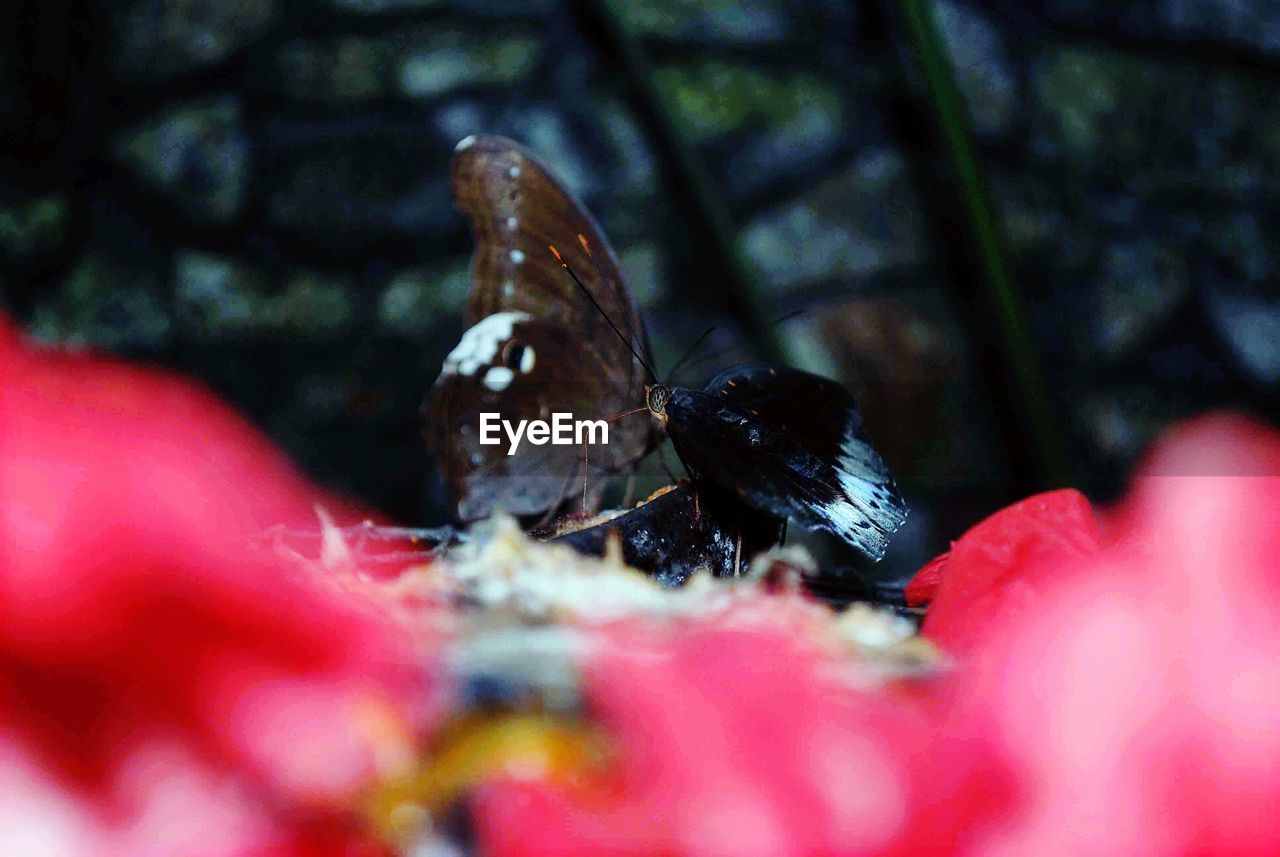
(253, 192)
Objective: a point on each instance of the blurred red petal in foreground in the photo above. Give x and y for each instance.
(1138, 698)
(747, 742)
(168, 689)
(1115, 692)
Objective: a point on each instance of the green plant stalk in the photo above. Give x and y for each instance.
(1018, 342)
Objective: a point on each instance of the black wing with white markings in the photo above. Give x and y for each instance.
(790, 443)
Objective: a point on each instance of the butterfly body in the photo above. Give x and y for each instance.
(681, 531)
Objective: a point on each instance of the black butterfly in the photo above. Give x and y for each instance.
(788, 442)
(784, 442)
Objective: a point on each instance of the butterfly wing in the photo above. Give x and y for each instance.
(675, 534)
(790, 443)
(523, 303)
(501, 367)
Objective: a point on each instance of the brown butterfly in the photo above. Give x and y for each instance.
(535, 345)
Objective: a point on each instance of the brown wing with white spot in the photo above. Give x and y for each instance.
(517, 211)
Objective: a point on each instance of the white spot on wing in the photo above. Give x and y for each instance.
(465, 143)
(498, 378)
(508, 289)
(870, 509)
(512, 223)
(517, 256)
(480, 343)
(514, 172)
(527, 360)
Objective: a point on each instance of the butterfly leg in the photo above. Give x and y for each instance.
(628, 496)
(737, 545)
(584, 476)
(559, 504)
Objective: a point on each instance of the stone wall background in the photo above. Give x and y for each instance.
(253, 192)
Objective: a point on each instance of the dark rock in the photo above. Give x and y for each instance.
(508, 9)
(375, 7)
(1250, 24)
(157, 38)
(980, 60)
(1111, 114)
(32, 228)
(1031, 216)
(637, 173)
(1249, 241)
(1140, 285)
(347, 184)
(1247, 320)
(222, 299)
(1253, 24)
(106, 301)
(713, 98)
(216, 297)
(864, 220)
(417, 299)
(1103, 291)
(434, 62)
(340, 71)
(645, 268)
(1112, 424)
(751, 22)
(415, 63)
(779, 123)
(197, 155)
(313, 305)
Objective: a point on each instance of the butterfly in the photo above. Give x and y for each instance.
(534, 345)
(779, 441)
(789, 442)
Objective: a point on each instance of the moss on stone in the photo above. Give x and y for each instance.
(712, 98)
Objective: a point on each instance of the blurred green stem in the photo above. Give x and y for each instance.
(1018, 343)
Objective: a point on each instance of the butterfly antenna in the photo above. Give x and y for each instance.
(689, 353)
(625, 341)
(724, 349)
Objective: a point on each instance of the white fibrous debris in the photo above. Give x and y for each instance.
(509, 571)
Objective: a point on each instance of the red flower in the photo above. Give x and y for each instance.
(1135, 701)
(997, 568)
(729, 742)
(1114, 692)
(924, 586)
(168, 688)
(743, 733)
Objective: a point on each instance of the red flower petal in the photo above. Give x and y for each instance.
(924, 586)
(139, 622)
(995, 569)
